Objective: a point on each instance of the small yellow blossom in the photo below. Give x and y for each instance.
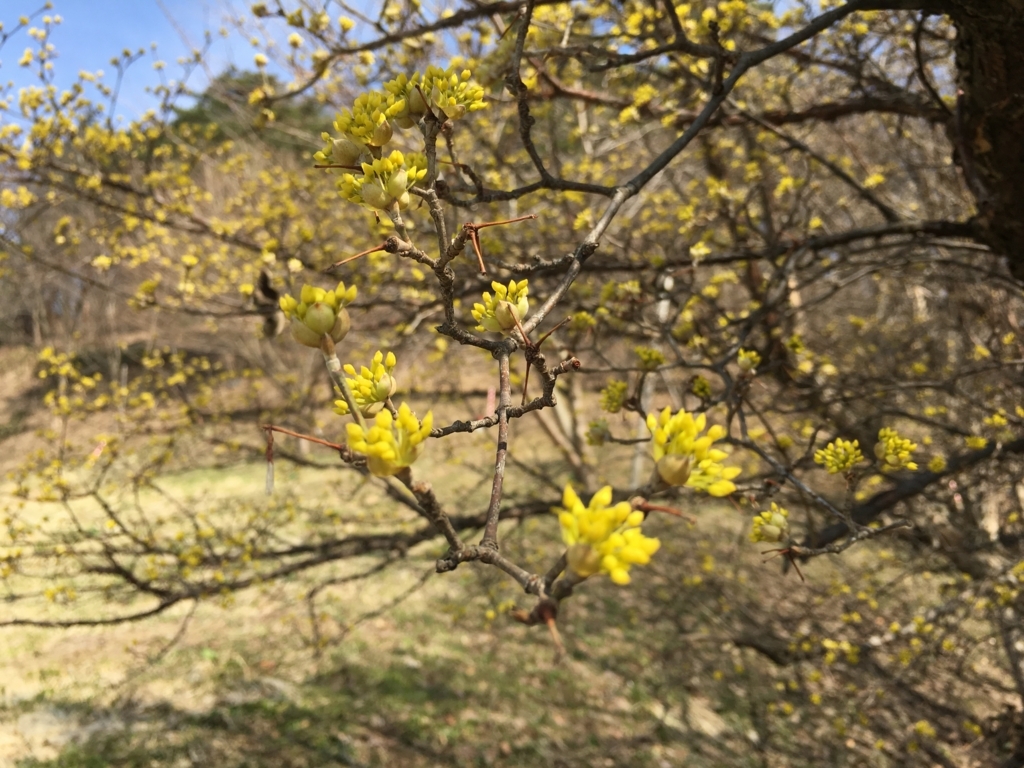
(650, 359)
(996, 420)
(343, 152)
(976, 442)
(893, 451)
(748, 361)
(771, 526)
(598, 432)
(385, 183)
(454, 93)
(937, 463)
(924, 728)
(685, 458)
(102, 263)
(602, 538)
(318, 313)
(318, 22)
(701, 387)
(391, 444)
(839, 456)
(407, 98)
(502, 312)
(973, 728)
(367, 121)
(613, 396)
(371, 387)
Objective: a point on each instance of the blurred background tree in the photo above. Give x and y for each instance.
(800, 221)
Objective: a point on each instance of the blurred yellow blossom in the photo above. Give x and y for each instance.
(893, 451)
(748, 361)
(839, 456)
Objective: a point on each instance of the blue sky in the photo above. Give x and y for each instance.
(95, 30)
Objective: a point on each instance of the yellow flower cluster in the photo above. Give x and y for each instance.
(598, 432)
(502, 312)
(771, 526)
(684, 457)
(454, 93)
(893, 451)
(318, 313)
(385, 183)
(613, 397)
(701, 387)
(371, 387)
(839, 456)
(367, 122)
(650, 359)
(406, 93)
(369, 125)
(391, 444)
(602, 538)
(748, 361)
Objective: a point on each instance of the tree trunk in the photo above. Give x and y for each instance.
(990, 112)
(990, 118)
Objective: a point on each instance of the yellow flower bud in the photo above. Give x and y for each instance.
(381, 134)
(320, 318)
(344, 151)
(397, 183)
(584, 560)
(302, 334)
(375, 196)
(507, 315)
(771, 526)
(674, 469)
(342, 325)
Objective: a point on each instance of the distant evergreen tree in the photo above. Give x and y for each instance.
(225, 112)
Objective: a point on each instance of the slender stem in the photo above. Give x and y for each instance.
(376, 248)
(396, 218)
(333, 365)
(505, 221)
(490, 537)
(309, 438)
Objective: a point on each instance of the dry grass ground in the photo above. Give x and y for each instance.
(431, 681)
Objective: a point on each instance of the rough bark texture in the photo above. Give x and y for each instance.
(990, 118)
(990, 112)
